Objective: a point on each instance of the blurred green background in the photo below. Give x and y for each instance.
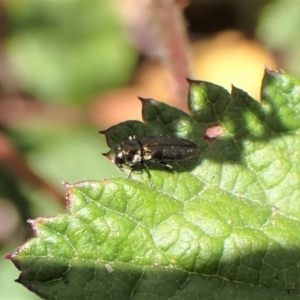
(56, 58)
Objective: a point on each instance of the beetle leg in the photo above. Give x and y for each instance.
(129, 173)
(146, 168)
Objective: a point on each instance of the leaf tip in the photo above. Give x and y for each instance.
(144, 100)
(274, 72)
(235, 91)
(33, 224)
(190, 81)
(110, 156)
(18, 280)
(107, 154)
(66, 184)
(13, 258)
(267, 69)
(9, 256)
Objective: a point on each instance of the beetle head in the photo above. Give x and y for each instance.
(116, 156)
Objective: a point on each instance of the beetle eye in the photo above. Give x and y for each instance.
(119, 159)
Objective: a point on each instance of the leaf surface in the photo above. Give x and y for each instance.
(222, 225)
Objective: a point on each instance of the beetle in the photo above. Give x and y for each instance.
(141, 151)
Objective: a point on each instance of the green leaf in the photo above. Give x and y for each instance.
(222, 226)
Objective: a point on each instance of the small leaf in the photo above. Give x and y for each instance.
(225, 225)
